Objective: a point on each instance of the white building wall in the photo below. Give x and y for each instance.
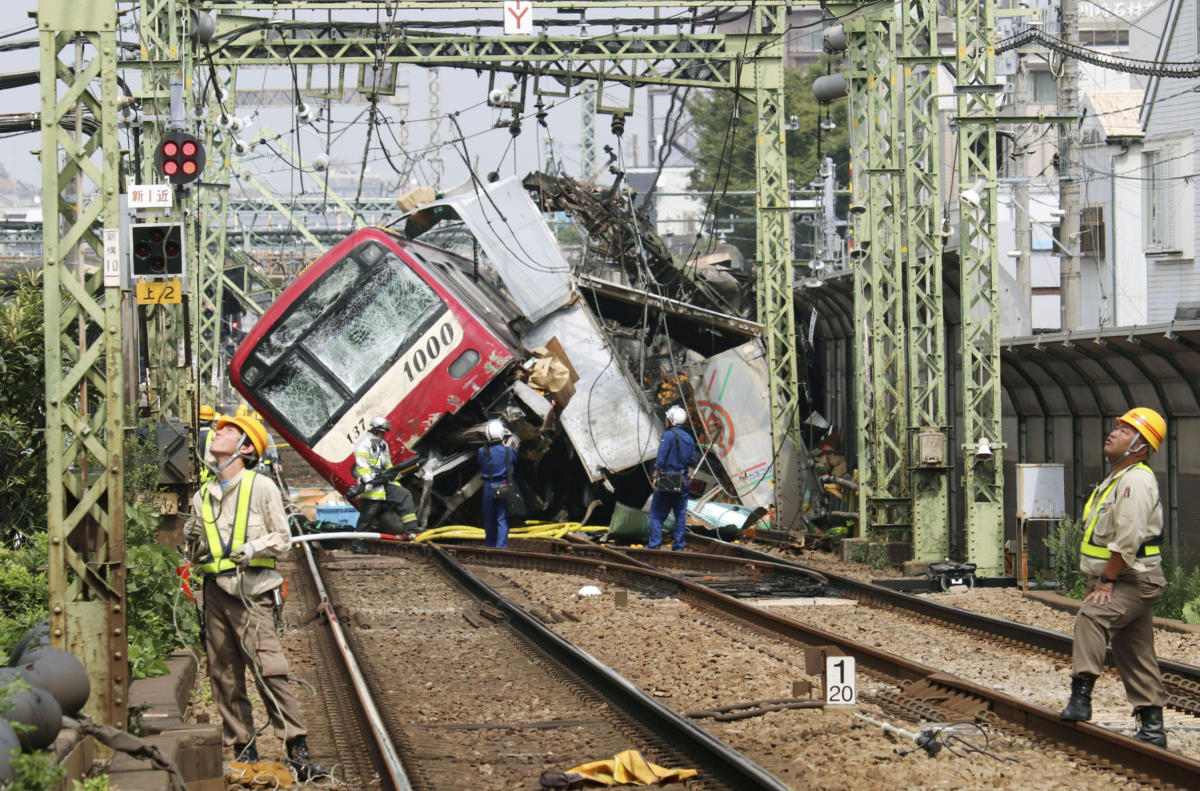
(1126, 241)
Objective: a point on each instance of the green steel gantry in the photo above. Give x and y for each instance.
(85, 404)
(901, 364)
(979, 267)
(881, 354)
(170, 380)
(928, 420)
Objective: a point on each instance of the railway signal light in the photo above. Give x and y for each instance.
(157, 249)
(179, 157)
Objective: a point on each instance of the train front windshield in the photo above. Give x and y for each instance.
(338, 338)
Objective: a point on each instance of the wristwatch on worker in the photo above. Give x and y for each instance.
(1109, 580)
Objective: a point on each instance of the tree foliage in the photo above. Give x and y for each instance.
(157, 612)
(726, 130)
(22, 412)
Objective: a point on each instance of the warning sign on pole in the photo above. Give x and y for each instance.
(518, 18)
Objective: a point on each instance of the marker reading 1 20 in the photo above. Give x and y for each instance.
(840, 686)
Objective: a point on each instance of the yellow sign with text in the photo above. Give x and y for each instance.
(159, 292)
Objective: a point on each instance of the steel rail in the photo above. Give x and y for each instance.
(1035, 636)
(1129, 754)
(392, 767)
(717, 759)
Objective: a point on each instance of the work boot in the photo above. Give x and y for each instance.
(246, 753)
(1079, 707)
(300, 763)
(359, 547)
(1150, 726)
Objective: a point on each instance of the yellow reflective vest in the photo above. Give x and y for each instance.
(220, 552)
(206, 474)
(1091, 513)
(371, 457)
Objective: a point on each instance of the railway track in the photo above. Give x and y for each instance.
(922, 692)
(487, 691)
(1181, 680)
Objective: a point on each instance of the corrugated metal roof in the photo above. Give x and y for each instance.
(1117, 112)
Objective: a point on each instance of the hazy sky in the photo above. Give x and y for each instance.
(343, 139)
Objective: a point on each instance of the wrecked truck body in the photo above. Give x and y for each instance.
(485, 297)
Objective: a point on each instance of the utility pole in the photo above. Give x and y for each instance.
(1023, 222)
(1068, 184)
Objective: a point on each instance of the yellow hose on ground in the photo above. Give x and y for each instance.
(547, 530)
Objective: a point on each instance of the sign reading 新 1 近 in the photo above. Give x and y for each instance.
(150, 196)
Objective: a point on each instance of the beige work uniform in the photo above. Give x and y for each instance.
(239, 623)
(1129, 516)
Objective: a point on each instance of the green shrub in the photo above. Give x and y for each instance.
(160, 617)
(1179, 598)
(872, 553)
(1183, 586)
(35, 772)
(23, 591)
(22, 414)
(1064, 543)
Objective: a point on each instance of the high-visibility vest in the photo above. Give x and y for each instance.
(220, 552)
(371, 460)
(1152, 546)
(206, 474)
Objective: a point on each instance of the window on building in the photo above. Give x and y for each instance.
(1158, 200)
(1042, 87)
(1091, 231)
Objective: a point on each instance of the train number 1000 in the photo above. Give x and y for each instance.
(426, 352)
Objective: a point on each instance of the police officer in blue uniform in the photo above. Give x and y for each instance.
(495, 462)
(676, 455)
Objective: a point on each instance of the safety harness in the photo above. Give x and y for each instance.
(1152, 546)
(220, 551)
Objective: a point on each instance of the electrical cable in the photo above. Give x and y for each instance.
(1028, 35)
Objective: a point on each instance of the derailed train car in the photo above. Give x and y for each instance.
(435, 326)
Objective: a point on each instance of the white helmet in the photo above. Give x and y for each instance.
(676, 416)
(380, 423)
(495, 431)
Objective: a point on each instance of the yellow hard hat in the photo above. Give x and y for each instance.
(206, 412)
(257, 417)
(253, 430)
(243, 410)
(1149, 424)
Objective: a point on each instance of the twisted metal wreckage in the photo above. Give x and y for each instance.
(623, 350)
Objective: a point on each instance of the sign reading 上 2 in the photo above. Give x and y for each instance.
(840, 686)
(159, 292)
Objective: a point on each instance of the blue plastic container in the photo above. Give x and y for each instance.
(338, 514)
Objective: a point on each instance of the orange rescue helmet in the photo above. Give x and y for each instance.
(1148, 423)
(253, 430)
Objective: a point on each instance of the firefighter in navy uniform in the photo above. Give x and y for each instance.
(240, 531)
(676, 455)
(495, 464)
(1121, 554)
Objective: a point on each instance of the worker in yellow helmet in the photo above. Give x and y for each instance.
(240, 531)
(1121, 554)
(243, 410)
